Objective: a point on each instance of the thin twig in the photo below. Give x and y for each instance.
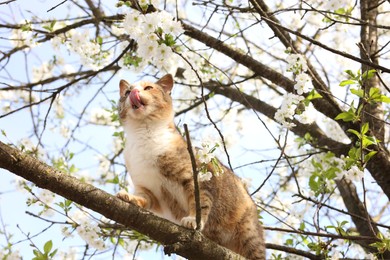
(7, 2)
(54, 7)
(195, 174)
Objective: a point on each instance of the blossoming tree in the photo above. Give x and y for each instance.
(292, 95)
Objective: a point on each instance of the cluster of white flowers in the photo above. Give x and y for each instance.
(205, 156)
(336, 4)
(42, 72)
(353, 174)
(58, 107)
(91, 53)
(286, 112)
(24, 36)
(11, 255)
(296, 63)
(104, 169)
(152, 31)
(27, 145)
(88, 230)
(46, 197)
(65, 129)
(303, 83)
(100, 116)
(9, 99)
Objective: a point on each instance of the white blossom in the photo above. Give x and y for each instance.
(169, 25)
(66, 232)
(147, 49)
(204, 155)
(46, 196)
(58, 41)
(308, 115)
(43, 72)
(11, 255)
(65, 130)
(286, 112)
(23, 37)
(116, 30)
(91, 53)
(353, 174)
(100, 116)
(88, 230)
(303, 83)
(204, 176)
(336, 4)
(296, 63)
(150, 31)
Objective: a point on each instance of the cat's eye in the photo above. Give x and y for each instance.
(127, 93)
(148, 88)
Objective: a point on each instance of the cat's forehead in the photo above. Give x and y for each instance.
(143, 83)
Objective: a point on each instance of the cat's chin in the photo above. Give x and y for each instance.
(141, 107)
(138, 112)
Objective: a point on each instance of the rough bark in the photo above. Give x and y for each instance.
(188, 243)
(372, 113)
(379, 166)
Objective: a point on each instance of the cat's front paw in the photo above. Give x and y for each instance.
(126, 197)
(190, 222)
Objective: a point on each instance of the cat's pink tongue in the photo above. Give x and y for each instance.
(135, 99)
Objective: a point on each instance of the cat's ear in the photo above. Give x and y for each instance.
(166, 83)
(123, 87)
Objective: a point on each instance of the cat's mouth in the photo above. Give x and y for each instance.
(135, 100)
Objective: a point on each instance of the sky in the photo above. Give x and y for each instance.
(242, 149)
(13, 209)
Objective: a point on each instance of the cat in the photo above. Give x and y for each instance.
(159, 164)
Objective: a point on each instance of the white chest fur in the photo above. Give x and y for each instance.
(143, 147)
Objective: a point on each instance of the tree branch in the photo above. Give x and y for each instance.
(185, 242)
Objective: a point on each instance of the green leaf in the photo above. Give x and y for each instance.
(351, 74)
(48, 246)
(385, 99)
(36, 252)
(312, 95)
(374, 92)
(358, 92)
(169, 40)
(364, 128)
(313, 183)
(289, 242)
(368, 156)
(368, 74)
(355, 133)
(347, 82)
(99, 40)
(346, 116)
(115, 180)
(3, 133)
(369, 140)
(52, 254)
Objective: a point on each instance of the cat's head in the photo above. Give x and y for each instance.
(145, 101)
